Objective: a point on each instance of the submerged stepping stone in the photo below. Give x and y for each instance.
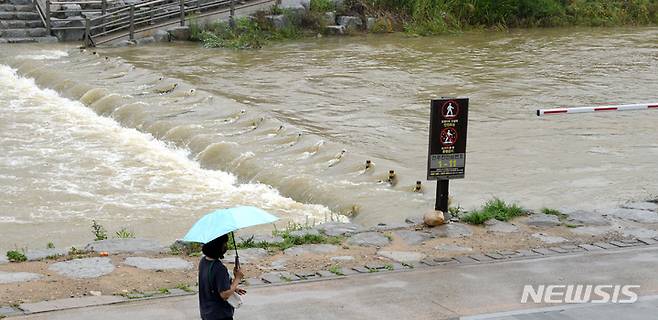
(40, 254)
(415, 220)
(413, 237)
(158, 264)
(548, 239)
(83, 268)
(402, 256)
(495, 226)
(311, 249)
(247, 256)
(452, 230)
(334, 229)
(369, 239)
(388, 227)
(453, 248)
(543, 220)
(125, 246)
(587, 218)
(13, 277)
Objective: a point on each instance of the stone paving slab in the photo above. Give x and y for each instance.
(558, 250)
(158, 264)
(60, 304)
(133, 245)
(413, 237)
(335, 229)
(528, 253)
(348, 271)
(465, 259)
(587, 218)
(369, 239)
(605, 245)
(401, 256)
(388, 227)
(83, 268)
(311, 249)
(247, 256)
(649, 206)
(304, 232)
(639, 216)
(453, 248)
(548, 239)
(543, 251)
(591, 231)
(259, 238)
(480, 258)
(9, 311)
(639, 232)
(495, 255)
(37, 254)
(13, 277)
(255, 281)
(361, 269)
(452, 230)
(590, 247)
(3, 259)
(342, 259)
(375, 266)
(327, 274)
(648, 241)
(543, 220)
(495, 226)
(307, 275)
(622, 244)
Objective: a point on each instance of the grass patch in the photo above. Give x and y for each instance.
(16, 256)
(184, 287)
(50, 245)
(335, 269)
(163, 291)
(125, 234)
(494, 209)
(554, 212)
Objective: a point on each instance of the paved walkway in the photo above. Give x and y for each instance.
(434, 293)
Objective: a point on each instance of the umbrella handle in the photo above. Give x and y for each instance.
(237, 258)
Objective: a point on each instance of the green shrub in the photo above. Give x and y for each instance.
(494, 209)
(322, 6)
(99, 231)
(16, 256)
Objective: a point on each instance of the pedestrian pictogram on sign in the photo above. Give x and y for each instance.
(448, 137)
(450, 109)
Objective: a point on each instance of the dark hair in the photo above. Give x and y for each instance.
(216, 249)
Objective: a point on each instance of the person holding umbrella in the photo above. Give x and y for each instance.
(215, 284)
(218, 294)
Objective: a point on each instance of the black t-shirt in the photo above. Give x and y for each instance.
(211, 305)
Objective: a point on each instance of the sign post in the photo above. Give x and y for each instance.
(447, 145)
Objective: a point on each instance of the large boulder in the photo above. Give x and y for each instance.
(278, 21)
(162, 36)
(180, 33)
(434, 218)
(350, 23)
(69, 35)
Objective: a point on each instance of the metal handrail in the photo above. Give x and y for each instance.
(173, 22)
(42, 15)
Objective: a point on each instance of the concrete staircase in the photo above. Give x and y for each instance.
(20, 23)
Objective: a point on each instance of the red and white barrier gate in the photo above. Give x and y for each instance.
(623, 107)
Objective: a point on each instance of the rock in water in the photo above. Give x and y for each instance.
(434, 218)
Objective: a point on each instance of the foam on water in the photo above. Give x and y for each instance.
(45, 55)
(79, 164)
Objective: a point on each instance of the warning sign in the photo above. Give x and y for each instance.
(447, 145)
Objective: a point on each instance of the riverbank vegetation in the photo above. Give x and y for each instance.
(421, 17)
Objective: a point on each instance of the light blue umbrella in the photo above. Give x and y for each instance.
(223, 221)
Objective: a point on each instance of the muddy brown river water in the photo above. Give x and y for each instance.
(83, 137)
